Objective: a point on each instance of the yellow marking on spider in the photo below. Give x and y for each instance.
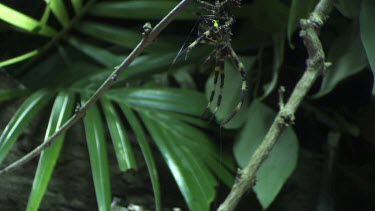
(216, 26)
(244, 85)
(216, 23)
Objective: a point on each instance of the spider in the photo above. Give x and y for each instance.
(215, 29)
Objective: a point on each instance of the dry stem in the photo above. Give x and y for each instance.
(315, 66)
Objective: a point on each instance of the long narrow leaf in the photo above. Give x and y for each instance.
(121, 142)
(98, 156)
(181, 101)
(146, 151)
(19, 58)
(77, 5)
(121, 36)
(100, 55)
(61, 111)
(24, 22)
(59, 10)
(197, 141)
(145, 10)
(196, 184)
(21, 118)
(12, 93)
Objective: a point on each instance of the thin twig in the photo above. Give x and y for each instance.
(315, 66)
(147, 40)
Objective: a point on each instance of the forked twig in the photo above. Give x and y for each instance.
(149, 36)
(315, 66)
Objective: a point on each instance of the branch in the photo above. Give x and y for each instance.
(149, 36)
(315, 66)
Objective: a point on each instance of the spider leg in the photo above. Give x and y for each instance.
(242, 71)
(206, 5)
(219, 64)
(204, 39)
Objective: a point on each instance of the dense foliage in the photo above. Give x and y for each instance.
(55, 54)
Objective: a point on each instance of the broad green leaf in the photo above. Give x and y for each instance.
(366, 23)
(121, 36)
(21, 118)
(147, 154)
(145, 10)
(59, 10)
(194, 180)
(24, 22)
(19, 58)
(298, 10)
(61, 112)
(99, 54)
(348, 57)
(348, 8)
(77, 5)
(231, 93)
(282, 159)
(175, 100)
(98, 156)
(121, 142)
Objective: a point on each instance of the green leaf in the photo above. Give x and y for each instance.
(298, 10)
(231, 93)
(348, 8)
(144, 66)
(278, 58)
(46, 14)
(367, 18)
(193, 178)
(145, 10)
(174, 100)
(198, 142)
(121, 142)
(147, 154)
(99, 54)
(167, 115)
(19, 58)
(184, 77)
(24, 22)
(263, 14)
(194, 137)
(21, 118)
(121, 36)
(98, 156)
(59, 10)
(61, 112)
(77, 5)
(348, 57)
(282, 159)
(12, 93)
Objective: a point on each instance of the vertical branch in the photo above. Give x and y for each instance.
(315, 66)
